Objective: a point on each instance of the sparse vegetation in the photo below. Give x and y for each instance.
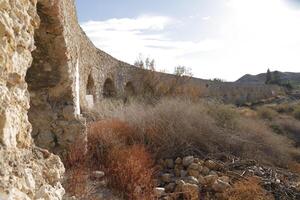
(296, 112)
(266, 113)
(175, 127)
(247, 190)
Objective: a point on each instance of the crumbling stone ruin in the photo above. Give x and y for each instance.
(50, 73)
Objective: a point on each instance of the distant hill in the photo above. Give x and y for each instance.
(292, 77)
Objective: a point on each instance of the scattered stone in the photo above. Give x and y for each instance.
(194, 173)
(220, 186)
(159, 192)
(178, 161)
(186, 161)
(183, 173)
(205, 171)
(169, 163)
(192, 180)
(194, 166)
(191, 191)
(170, 187)
(201, 180)
(97, 174)
(210, 179)
(166, 178)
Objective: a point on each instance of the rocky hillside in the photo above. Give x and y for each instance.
(261, 78)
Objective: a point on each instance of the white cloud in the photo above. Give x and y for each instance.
(125, 38)
(206, 18)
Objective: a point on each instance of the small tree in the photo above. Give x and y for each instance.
(268, 77)
(148, 63)
(183, 71)
(276, 78)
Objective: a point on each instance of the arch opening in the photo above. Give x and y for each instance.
(109, 90)
(129, 89)
(90, 92)
(90, 86)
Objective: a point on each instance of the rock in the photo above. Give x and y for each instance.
(192, 180)
(201, 180)
(97, 174)
(177, 172)
(194, 173)
(159, 192)
(190, 191)
(220, 186)
(187, 160)
(170, 187)
(205, 171)
(210, 164)
(166, 178)
(169, 163)
(193, 166)
(178, 161)
(183, 173)
(224, 178)
(210, 179)
(213, 173)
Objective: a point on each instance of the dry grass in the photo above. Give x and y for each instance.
(77, 175)
(104, 136)
(178, 127)
(129, 167)
(296, 112)
(247, 190)
(267, 113)
(294, 167)
(131, 171)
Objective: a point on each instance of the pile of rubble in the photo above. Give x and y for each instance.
(193, 178)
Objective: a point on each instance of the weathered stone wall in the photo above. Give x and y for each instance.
(54, 111)
(26, 172)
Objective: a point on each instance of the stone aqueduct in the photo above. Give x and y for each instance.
(68, 73)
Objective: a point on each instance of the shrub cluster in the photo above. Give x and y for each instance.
(179, 127)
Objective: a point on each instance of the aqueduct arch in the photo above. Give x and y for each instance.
(129, 89)
(109, 89)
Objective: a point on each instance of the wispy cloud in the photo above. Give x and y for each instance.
(125, 38)
(248, 37)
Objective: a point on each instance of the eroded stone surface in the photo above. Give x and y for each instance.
(24, 169)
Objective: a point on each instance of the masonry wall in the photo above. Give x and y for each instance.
(26, 172)
(52, 78)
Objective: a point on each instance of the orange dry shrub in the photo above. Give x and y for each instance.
(76, 183)
(247, 190)
(294, 167)
(105, 135)
(131, 171)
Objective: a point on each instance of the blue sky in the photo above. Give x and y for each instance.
(215, 38)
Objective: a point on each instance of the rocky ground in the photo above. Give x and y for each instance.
(193, 178)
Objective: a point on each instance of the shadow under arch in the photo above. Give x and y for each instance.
(129, 89)
(109, 89)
